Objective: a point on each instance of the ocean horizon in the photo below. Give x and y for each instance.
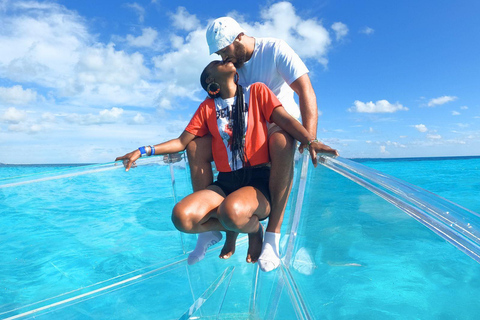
(353, 159)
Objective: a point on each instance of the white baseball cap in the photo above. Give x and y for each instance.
(221, 33)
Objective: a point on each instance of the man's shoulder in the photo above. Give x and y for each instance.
(272, 46)
(270, 42)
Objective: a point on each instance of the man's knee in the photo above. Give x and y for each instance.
(199, 150)
(281, 143)
(191, 148)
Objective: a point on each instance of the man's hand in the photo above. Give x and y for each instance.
(318, 147)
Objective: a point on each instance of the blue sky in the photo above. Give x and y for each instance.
(86, 81)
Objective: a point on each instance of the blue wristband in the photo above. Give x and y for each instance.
(142, 151)
(152, 153)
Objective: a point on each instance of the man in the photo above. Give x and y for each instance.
(273, 62)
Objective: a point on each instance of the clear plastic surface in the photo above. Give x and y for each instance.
(95, 242)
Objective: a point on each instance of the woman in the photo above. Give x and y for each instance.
(236, 118)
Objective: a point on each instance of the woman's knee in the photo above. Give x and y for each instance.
(232, 214)
(182, 217)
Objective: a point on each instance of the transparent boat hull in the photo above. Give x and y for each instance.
(355, 244)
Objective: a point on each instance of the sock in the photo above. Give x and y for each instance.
(205, 240)
(270, 257)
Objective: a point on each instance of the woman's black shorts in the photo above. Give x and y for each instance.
(256, 177)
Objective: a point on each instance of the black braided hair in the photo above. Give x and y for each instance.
(238, 128)
(203, 82)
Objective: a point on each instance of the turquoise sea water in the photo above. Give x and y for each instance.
(355, 256)
(454, 178)
(360, 257)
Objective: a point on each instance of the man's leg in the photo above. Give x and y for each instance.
(200, 158)
(282, 151)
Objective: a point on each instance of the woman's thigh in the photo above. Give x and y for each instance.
(199, 206)
(246, 202)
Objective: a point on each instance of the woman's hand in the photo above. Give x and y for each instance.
(129, 159)
(318, 147)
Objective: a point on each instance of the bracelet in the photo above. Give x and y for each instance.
(152, 152)
(311, 141)
(142, 151)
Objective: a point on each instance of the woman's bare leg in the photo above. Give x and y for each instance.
(197, 213)
(229, 247)
(241, 211)
(199, 153)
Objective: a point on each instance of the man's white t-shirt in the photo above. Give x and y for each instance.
(274, 63)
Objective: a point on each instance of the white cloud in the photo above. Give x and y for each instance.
(111, 115)
(40, 44)
(49, 117)
(184, 21)
(395, 144)
(420, 127)
(103, 117)
(181, 69)
(464, 108)
(105, 76)
(13, 115)
(26, 128)
(21, 121)
(383, 149)
(367, 31)
(138, 9)
(51, 48)
(44, 44)
(17, 95)
(441, 100)
(138, 119)
(341, 30)
(308, 37)
(381, 106)
(455, 113)
(147, 39)
(434, 136)
(104, 65)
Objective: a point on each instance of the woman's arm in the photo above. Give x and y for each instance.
(296, 130)
(171, 146)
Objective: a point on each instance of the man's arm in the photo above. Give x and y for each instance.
(308, 103)
(296, 130)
